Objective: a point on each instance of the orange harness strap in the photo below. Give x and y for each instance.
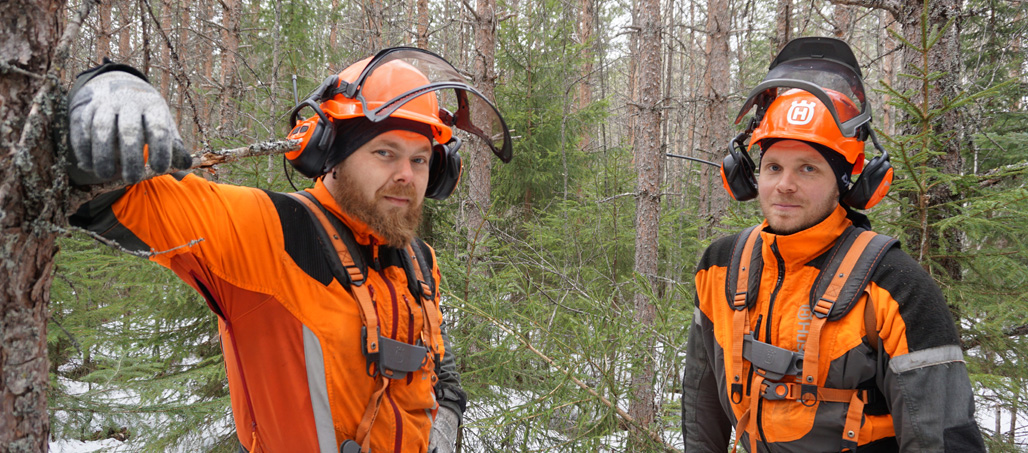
(809, 389)
(429, 310)
(741, 327)
(360, 292)
(368, 316)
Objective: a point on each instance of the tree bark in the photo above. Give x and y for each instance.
(29, 216)
(783, 28)
(479, 169)
(229, 56)
(422, 24)
(717, 87)
(648, 150)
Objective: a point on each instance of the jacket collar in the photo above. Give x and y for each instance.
(361, 231)
(800, 248)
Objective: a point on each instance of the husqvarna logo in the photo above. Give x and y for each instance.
(801, 112)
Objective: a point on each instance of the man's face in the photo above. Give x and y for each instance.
(797, 188)
(383, 184)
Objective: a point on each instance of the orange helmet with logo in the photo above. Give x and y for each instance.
(799, 115)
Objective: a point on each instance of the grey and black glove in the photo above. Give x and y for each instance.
(113, 114)
(443, 438)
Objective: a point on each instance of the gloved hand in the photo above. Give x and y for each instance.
(444, 431)
(111, 117)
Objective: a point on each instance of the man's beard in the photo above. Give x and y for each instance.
(396, 225)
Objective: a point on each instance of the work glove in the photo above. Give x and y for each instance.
(444, 431)
(111, 117)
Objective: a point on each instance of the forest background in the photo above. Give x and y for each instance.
(567, 274)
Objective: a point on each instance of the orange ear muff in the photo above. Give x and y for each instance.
(445, 169)
(872, 185)
(316, 135)
(738, 171)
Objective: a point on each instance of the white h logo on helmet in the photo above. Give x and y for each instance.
(801, 112)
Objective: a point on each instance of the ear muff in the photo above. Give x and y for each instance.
(872, 185)
(444, 170)
(738, 171)
(316, 135)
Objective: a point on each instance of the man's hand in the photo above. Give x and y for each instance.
(112, 117)
(444, 431)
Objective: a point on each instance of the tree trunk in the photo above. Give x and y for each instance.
(783, 28)
(586, 24)
(717, 87)
(229, 56)
(125, 33)
(648, 164)
(479, 169)
(103, 35)
(422, 27)
(29, 216)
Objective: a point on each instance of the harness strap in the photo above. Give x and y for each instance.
(430, 311)
(741, 319)
(370, 413)
(360, 292)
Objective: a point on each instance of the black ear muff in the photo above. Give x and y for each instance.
(738, 171)
(872, 185)
(444, 170)
(316, 135)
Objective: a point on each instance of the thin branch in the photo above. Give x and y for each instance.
(207, 159)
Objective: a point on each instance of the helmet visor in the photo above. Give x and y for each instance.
(471, 111)
(815, 65)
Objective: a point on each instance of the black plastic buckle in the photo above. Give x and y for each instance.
(771, 362)
(737, 393)
(808, 389)
(397, 358)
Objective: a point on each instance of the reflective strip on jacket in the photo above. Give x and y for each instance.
(291, 333)
(929, 405)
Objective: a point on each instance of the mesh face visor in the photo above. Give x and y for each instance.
(471, 111)
(813, 65)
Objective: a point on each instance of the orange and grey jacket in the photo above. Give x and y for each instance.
(919, 395)
(291, 332)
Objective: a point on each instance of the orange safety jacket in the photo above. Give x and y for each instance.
(914, 381)
(291, 331)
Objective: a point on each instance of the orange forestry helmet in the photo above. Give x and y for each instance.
(813, 92)
(799, 115)
(403, 84)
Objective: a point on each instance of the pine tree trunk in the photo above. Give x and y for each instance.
(103, 35)
(422, 24)
(783, 22)
(716, 132)
(229, 57)
(479, 170)
(29, 215)
(648, 162)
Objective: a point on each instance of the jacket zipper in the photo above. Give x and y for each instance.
(396, 308)
(767, 335)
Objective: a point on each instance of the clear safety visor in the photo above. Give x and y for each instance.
(814, 75)
(461, 106)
